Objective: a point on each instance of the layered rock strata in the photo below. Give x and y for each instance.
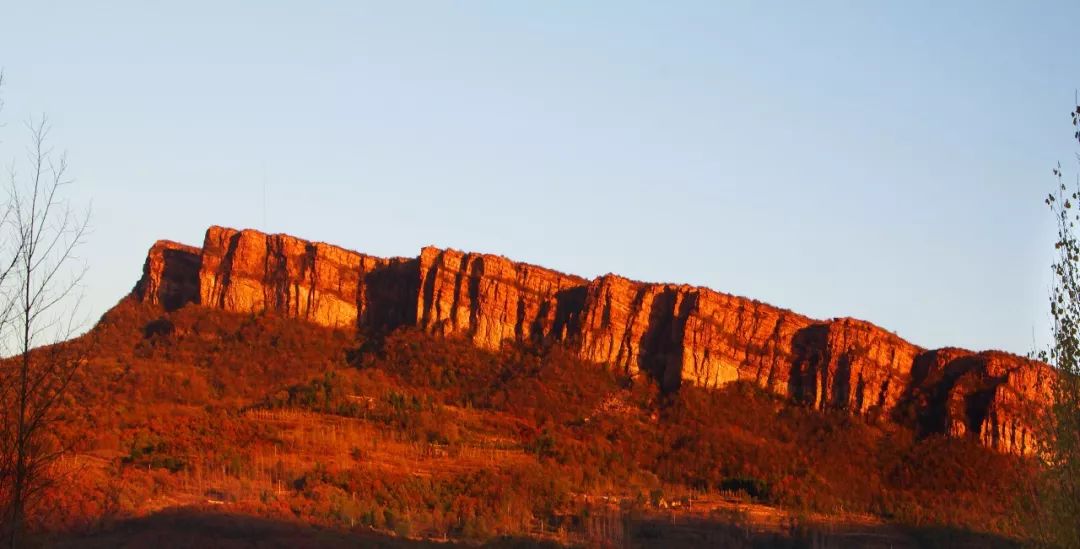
(490, 299)
(248, 271)
(673, 333)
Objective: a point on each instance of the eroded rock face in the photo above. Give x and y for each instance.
(687, 334)
(170, 275)
(490, 299)
(674, 334)
(993, 397)
(850, 364)
(248, 271)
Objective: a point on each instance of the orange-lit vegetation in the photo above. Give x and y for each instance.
(421, 436)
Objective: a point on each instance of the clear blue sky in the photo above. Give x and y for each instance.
(848, 159)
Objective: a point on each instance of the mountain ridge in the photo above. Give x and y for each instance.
(673, 333)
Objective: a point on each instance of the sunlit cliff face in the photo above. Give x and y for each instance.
(672, 333)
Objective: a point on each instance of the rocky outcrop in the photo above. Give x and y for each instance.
(850, 364)
(684, 333)
(248, 271)
(674, 334)
(170, 275)
(490, 299)
(993, 397)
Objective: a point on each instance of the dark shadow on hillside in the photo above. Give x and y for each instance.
(200, 528)
(707, 532)
(809, 346)
(388, 296)
(569, 304)
(661, 342)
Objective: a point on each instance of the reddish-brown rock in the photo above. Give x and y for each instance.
(490, 299)
(994, 397)
(851, 365)
(672, 333)
(170, 275)
(248, 271)
(687, 334)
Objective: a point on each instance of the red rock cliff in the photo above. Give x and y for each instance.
(170, 275)
(674, 334)
(248, 271)
(490, 299)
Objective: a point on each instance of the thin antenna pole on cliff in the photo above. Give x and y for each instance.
(264, 227)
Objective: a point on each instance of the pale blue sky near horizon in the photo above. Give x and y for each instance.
(885, 161)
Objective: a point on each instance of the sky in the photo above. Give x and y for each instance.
(885, 161)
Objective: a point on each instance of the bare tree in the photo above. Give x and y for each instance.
(39, 281)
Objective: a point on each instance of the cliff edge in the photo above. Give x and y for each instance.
(672, 333)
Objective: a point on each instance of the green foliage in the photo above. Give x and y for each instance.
(151, 451)
(469, 505)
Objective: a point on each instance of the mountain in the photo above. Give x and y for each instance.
(263, 387)
(674, 334)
